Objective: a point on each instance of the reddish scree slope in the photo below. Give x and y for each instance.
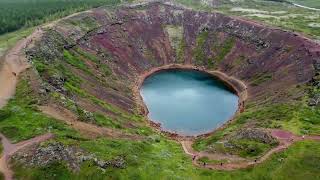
(131, 41)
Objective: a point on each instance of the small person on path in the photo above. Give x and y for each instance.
(221, 164)
(255, 160)
(204, 164)
(194, 157)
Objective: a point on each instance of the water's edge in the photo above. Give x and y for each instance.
(235, 85)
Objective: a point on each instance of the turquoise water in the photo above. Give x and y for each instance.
(188, 102)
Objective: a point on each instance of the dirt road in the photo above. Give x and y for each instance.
(13, 64)
(285, 139)
(9, 149)
(86, 129)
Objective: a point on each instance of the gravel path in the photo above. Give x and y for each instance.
(285, 139)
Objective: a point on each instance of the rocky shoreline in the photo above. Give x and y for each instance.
(235, 85)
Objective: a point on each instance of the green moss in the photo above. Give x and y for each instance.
(201, 144)
(1, 149)
(70, 77)
(295, 117)
(198, 52)
(86, 24)
(21, 119)
(181, 50)
(102, 103)
(148, 53)
(260, 78)
(248, 148)
(104, 68)
(103, 120)
(8, 40)
(164, 159)
(56, 170)
(224, 49)
(87, 55)
(177, 41)
(218, 52)
(238, 61)
(76, 61)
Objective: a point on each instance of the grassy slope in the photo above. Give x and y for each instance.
(145, 158)
(154, 157)
(7, 40)
(10, 39)
(20, 119)
(165, 160)
(309, 3)
(272, 13)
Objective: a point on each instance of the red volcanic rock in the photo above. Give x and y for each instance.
(133, 41)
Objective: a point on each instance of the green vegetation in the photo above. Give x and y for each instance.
(242, 147)
(209, 161)
(224, 49)
(198, 53)
(296, 117)
(63, 70)
(104, 68)
(10, 39)
(195, 4)
(102, 120)
(165, 159)
(217, 51)
(76, 61)
(21, 120)
(248, 148)
(15, 14)
(154, 157)
(270, 12)
(177, 41)
(1, 148)
(309, 3)
(180, 51)
(260, 78)
(203, 143)
(85, 24)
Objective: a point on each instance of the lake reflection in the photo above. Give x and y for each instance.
(188, 102)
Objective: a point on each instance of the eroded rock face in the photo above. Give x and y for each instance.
(93, 67)
(132, 40)
(57, 152)
(255, 134)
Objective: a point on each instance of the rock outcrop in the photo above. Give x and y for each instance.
(57, 152)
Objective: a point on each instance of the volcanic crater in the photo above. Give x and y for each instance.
(97, 60)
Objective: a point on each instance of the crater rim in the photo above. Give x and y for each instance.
(236, 86)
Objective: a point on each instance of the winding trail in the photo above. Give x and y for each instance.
(88, 130)
(305, 7)
(9, 149)
(285, 139)
(13, 64)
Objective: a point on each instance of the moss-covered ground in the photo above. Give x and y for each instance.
(157, 157)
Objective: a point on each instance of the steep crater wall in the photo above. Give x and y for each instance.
(91, 62)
